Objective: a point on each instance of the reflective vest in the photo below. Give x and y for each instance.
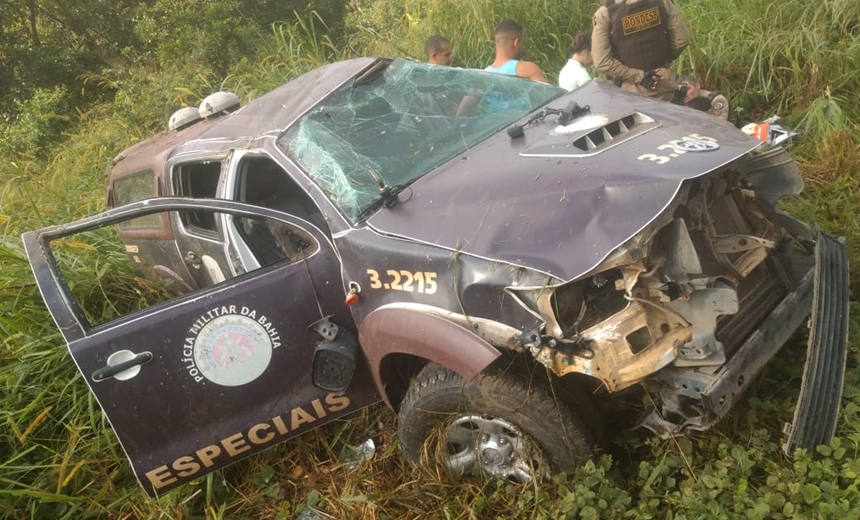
(638, 33)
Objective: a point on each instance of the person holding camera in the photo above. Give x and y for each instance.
(633, 42)
(718, 104)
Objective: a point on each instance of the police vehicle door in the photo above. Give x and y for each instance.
(200, 236)
(192, 383)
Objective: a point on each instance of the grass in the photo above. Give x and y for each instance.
(59, 458)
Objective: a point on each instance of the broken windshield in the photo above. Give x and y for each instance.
(391, 125)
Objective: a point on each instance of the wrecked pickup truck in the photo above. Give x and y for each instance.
(500, 261)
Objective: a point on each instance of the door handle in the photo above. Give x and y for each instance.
(120, 362)
(193, 259)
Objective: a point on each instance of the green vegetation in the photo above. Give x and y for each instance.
(81, 80)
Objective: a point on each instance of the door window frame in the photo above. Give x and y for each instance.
(70, 318)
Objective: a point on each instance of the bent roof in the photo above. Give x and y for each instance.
(270, 113)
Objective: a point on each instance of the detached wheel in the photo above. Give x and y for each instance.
(501, 423)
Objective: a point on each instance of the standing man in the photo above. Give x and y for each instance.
(510, 45)
(438, 50)
(718, 104)
(633, 42)
(573, 74)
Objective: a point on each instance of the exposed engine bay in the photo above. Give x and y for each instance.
(683, 295)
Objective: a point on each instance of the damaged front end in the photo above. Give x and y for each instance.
(698, 302)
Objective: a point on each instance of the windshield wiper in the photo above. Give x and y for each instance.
(389, 196)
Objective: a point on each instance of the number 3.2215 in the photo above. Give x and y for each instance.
(420, 281)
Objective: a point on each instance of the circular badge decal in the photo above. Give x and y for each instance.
(232, 350)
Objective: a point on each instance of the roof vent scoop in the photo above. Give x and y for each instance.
(219, 102)
(183, 117)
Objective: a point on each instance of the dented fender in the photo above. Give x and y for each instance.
(388, 331)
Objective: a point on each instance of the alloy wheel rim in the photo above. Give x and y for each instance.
(482, 444)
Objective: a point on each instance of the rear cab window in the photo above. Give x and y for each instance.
(197, 180)
(132, 188)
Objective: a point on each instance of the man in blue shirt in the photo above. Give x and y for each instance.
(510, 45)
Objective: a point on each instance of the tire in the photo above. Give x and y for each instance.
(502, 423)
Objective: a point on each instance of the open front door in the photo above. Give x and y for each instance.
(192, 383)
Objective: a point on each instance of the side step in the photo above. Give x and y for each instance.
(823, 375)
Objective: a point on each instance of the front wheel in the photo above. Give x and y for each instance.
(502, 423)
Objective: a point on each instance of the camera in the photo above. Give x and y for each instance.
(680, 95)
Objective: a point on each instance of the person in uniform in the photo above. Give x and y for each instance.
(574, 74)
(438, 50)
(510, 45)
(633, 42)
(700, 103)
(718, 104)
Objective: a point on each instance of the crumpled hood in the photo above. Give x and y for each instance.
(543, 202)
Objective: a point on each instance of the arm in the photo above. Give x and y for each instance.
(601, 51)
(527, 69)
(467, 106)
(679, 36)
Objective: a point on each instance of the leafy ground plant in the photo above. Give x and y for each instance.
(59, 458)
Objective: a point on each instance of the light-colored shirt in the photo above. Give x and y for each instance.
(572, 75)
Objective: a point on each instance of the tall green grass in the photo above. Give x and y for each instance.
(401, 28)
(781, 57)
(59, 459)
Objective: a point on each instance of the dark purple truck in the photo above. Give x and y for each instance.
(507, 265)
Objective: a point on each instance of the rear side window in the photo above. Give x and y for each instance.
(199, 181)
(135, 187)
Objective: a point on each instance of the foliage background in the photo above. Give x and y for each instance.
(82, 79)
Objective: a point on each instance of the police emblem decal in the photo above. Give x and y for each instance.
(232, 350)
(689, 144)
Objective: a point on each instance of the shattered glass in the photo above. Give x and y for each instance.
(400, 120)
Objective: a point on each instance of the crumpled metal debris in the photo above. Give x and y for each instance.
(360, 453)
(312, 514)
(770, 132)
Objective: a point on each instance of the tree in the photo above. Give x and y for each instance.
(49, 43)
